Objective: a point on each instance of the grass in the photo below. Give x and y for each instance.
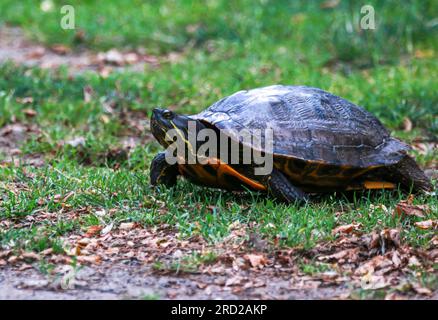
(391, 71)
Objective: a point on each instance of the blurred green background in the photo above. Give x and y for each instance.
(231, 45)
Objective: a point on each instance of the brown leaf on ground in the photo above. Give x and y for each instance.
(385, 240)
(345, 229)
(107, 229)
(407, 124)
(236, 280)
(30, 256)
(404, 208)
(394, 296)
(396, 259)
(12, 259)
(29, 112)
(343, 256)
(36, 53)
(373, 282)
(433, 255)
(93, 230)
(25, 266)
(369, 266)
(423, 147)
(5, 253)
(256, 260)
(60, 49)
(89, 259)
(413, 262)
(421, 290)
(392, 236)
(127, 225)
(427, 224)
(83, 242)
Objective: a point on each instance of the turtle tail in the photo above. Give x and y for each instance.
(409, 175)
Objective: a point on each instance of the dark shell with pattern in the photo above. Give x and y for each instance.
(308, 124)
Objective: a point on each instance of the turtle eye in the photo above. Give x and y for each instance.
(167, 114)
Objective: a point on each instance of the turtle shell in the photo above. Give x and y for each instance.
(309, 124)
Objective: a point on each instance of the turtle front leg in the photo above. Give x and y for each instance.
(162, 172)
(280, 186)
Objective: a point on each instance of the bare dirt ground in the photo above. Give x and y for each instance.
(133, 262)
(138, 282)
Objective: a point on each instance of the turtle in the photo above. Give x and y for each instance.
(320, 143)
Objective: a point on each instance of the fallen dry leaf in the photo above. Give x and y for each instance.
(346, 255)
(93, 230)
(36, 53)
(394, 296)
(396, 259)
(89, 259)
(372, 282)
(404, 208)
(107, 229)
(12, 259)
(368, 267)
(4, 254)
(427, 224)
(386, 239)
(112, 250)
(127, 226)
(30, 256)
(84, 242)
(25, 266)
(421, 290)
(29, 112)
(256, 260)
(345, 229)
(60, 49)
(236, 280)
(407, 124)
(413, 262)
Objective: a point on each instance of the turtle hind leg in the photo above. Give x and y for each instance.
(410, 176)
(282, 189)
(163, 173)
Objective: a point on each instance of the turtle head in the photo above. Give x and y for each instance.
(164, 120)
